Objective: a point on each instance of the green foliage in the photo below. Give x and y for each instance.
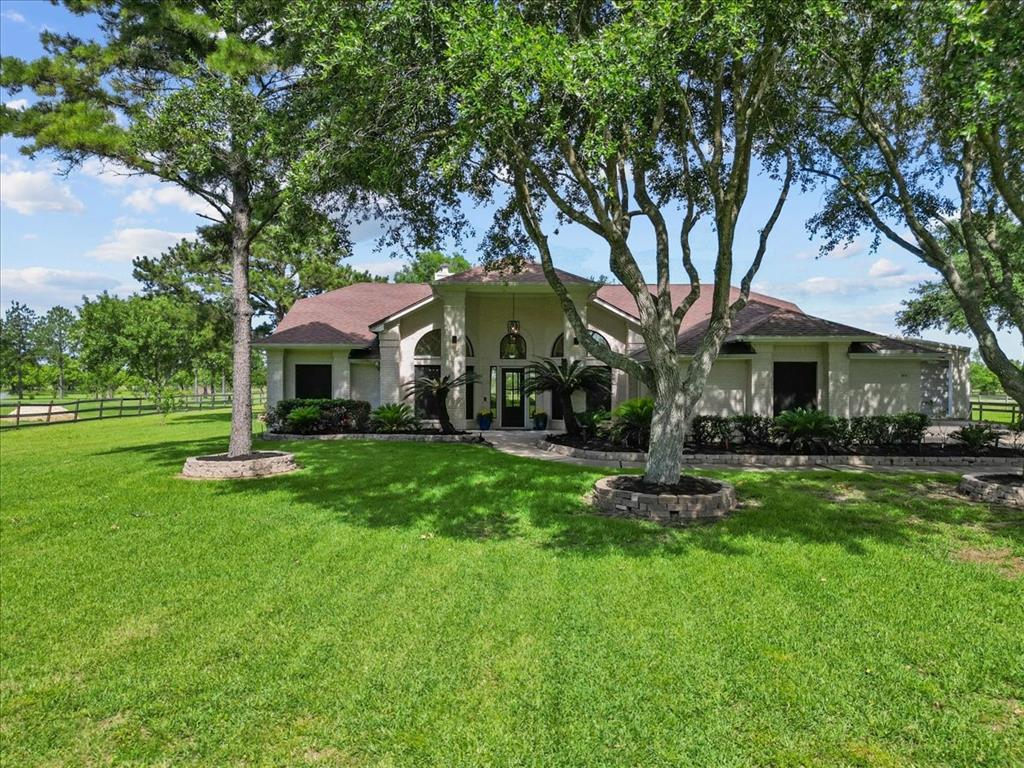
(753, 429)
(394, 417)
(18, 348)
(432, 393)
(977, 438)
(425, 264)
(333, 416)
(983, 380)
(908, 429)
(562, 378)
(804, 429)
(304, 419)
(711, 430)
(592, 421)
(631, 422)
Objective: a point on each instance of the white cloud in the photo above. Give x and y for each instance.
(44, 286)
(886, 268)
(108, 173)
(846, 250)
(30, 236)
(148, 199)
(127, 244)
(13, 16)
(17, 104)
(29, 192)
(849, 286)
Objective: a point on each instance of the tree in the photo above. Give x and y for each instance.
(294, 258)
(607, 113)
(983, 381)
(425, 264)
(562, 379)
(18, 352)
(206, 96)
(917, 117)
(55, 337)
(435, 391)
(100, 321)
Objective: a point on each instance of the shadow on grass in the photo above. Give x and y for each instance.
(476, 493)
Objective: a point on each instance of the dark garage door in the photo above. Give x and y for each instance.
(312, 381)
(796, 386)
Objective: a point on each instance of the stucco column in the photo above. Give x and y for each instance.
(453, 356)
(761, 380)
(341, 379)
(390, 377)
(575, 351)
(959, 383)
(275, 376)
(839, 380)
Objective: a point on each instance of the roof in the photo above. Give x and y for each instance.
(528, 274)
(344, 316)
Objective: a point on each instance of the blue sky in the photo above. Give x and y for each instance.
(62, 237)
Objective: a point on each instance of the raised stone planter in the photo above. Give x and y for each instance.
(407, 438)
(718, 500)
(220, 467)
(633, 458)
(982, 487)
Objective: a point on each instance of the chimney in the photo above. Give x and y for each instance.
(442, 271)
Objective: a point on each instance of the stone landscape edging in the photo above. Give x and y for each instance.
(670, 508)
(387, 437)
(788, 460)
(219, 467)
(975, 487)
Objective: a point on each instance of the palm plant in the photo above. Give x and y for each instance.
(436, 390)
(564, 378)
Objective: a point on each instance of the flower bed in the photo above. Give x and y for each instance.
(423, 436)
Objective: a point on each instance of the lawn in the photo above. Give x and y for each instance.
(418, 605)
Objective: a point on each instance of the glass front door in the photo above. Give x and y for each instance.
(513, 411)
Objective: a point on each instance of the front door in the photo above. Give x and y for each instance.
(513, 413)
(796, 386)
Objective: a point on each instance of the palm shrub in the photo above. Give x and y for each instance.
(631, 422)
(591, 421)
(304, 420)
(394, 417)
(977, 437)
(564, 378)
(437, 389)
(802, 428)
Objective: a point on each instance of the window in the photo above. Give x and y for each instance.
(558, 348)
(470, 391)
(426, 403)
(601, 399)
(430, 343)
(512, 347)
(312, 381)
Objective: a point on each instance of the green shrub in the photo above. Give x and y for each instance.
(394, 417)
(909, 428)
(755, 430)
(711, 430)
(876, 430)
(977, 437)
(802, 429)
(593, 421)
(335, 415)
(304, 420)
(631, 422)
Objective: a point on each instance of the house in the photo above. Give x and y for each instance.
(366, 341)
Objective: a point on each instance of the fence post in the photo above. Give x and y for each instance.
(102, 401)
(17, 414)
(49, 412)
(78, 404)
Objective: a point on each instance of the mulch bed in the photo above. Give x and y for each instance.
(687, 486)
(243, 457)
(926, 449)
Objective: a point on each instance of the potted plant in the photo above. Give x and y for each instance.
(484, 418)
(540, 419)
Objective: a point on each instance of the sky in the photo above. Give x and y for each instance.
(62, 237)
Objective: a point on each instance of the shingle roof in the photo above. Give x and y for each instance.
(530, 274)
(344, 316)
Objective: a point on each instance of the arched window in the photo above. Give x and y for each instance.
(512, 347)
(429, 345)
(558, 348)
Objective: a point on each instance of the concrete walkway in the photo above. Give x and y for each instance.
(523, 443)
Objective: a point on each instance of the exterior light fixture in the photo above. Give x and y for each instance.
(575, 341)
(455, 339)
(513, 325)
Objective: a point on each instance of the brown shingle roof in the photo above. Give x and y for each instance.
(344, 316)
(530, 274)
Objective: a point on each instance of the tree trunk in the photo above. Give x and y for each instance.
(668, 431)
(572, 427)
(60, 381)
(241, 403)
(442, 415)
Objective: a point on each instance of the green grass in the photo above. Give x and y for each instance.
(417, 605)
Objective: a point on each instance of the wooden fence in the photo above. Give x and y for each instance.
(34, 414)
(994, 408)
